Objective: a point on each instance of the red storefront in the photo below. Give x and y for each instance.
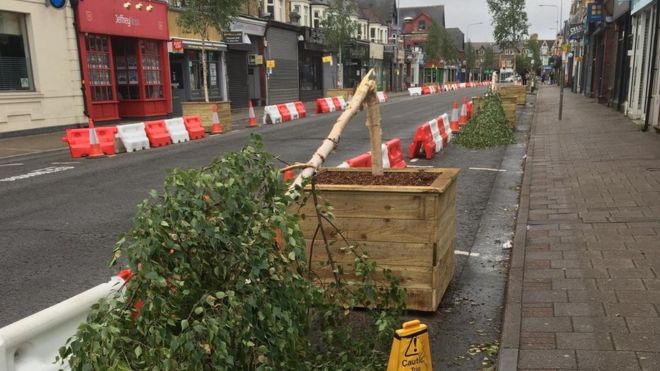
(123, 46)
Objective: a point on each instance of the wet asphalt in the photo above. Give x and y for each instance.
(57, 230)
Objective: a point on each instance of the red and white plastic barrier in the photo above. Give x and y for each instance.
(280, 113)
(331, 104)
(431, 137)
(392, 157)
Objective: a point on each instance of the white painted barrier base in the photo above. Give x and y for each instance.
(32, 343)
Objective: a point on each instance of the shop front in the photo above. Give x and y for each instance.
(282, 51)
(356, 63)
(246, 71)
(187, 75)
(125, 66)
(310, 63)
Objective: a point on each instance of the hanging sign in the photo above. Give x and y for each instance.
(58, 4)
(327, 59)
(270, 63)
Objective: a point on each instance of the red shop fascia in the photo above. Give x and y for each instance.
(124, 58)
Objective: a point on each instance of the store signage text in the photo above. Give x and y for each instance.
(128, 21)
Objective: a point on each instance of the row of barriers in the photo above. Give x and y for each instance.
(392, 157)
(335, 104)
(439, 88)
(134, 137)
(280, 113)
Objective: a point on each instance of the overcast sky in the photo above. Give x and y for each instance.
(461, 13)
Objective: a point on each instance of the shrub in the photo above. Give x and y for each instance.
(487, 127)
(219, 293)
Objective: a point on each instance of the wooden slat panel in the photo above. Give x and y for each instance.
(390, 254)
(386, 205)
(382, 230)
(411, 277)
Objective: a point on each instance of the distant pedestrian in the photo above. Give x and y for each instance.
(543, 79)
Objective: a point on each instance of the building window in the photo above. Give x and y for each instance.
(317, 20)
(282, 17)
(270, 7)
(373, 33)
(15, 73)
(421, 25)
(305, 16)
(296, 8)
(153, 86)
(359, 32)
(97, 48)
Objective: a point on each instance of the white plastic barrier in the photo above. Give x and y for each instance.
(177, 130)
(293, 111)
(133, 137)
(415, 91)
(462, 85)
(331, 104)
(435, 133)
(446, 123)
(272, 115)
(32, 343)
(382, 98)
(343, 103)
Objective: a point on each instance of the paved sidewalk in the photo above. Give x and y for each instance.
(584, 287)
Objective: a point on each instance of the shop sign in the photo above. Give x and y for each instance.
(255, 59)
(327, 59)
(249, 26)
(177, 46)
(111, 17)
(232, 37)
(270, 63)
(595, 13)
(576, 31)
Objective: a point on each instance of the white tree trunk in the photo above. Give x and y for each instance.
(364, 94)
(205, 72)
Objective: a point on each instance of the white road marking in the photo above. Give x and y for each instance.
(38, 172)
(15, 164)
(487, 169)
(65, 163)
(459, 252)
(414, 160)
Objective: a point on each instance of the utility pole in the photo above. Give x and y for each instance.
(561, 64)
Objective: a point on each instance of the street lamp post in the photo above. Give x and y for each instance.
(561, 63)
(467, 36)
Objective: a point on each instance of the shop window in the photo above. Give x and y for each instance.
(151, 70)
(98, 64)
(311, 73)
(213, 80)
(126, 66)
(15, 73)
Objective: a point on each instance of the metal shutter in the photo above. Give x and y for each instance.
(283, 83)
(237, 76)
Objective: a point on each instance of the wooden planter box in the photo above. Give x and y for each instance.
(203, 109)
(410, 230)
(517, 91)
(509, 105)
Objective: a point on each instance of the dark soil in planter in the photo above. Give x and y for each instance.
(365, 178)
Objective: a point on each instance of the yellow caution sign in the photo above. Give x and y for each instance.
(411, 350)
